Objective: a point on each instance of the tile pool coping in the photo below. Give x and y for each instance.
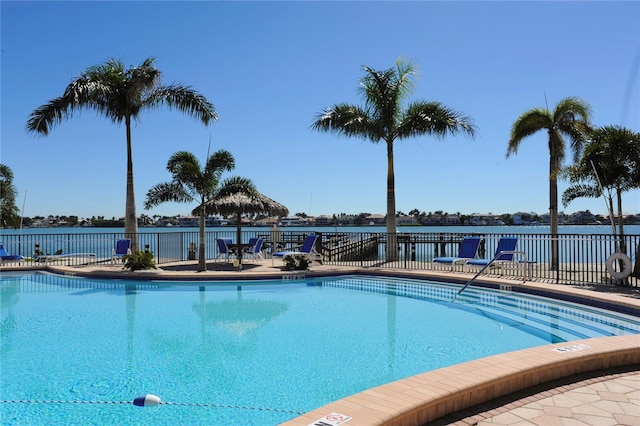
(420, 399)
(425, 397)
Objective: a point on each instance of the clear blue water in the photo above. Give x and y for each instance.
(78, 351)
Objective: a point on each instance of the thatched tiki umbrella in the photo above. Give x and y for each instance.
(242, 203)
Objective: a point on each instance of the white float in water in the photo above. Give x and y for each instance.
(147, 401)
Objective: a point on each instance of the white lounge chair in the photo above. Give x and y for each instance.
(308, 249)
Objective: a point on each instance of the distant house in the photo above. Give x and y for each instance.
(188, 221)
(478, 220)
(375, 219)
(216, 221)
(406, 220)
(441, 219)
(583, 218)
(191, 221)
(269, 221)
(545, 219)
(453, 219)
(293, 221)
(346, 219)
(40, 223)
(323, 220)
(521, 218)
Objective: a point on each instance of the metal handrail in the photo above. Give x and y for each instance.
(524, 255)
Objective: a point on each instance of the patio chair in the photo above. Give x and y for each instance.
(224, 252)
(308, 249)
(6, 257)
(255, 251)
(467, 251)
(123, 248)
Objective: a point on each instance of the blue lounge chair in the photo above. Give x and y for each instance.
(6, 257)
(504, 252)
(123, 248)
(467, 251)
(255, 251)
(307, 249)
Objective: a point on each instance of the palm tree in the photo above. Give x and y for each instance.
(611, 161)
(121, 94)
(384, 118)
(570, 118)
(193, 184)
(8, 208)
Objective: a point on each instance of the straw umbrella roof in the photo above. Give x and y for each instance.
(241, 203)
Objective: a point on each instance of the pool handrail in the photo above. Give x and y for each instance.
(496, 257)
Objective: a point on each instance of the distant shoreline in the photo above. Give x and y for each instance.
(485, 229)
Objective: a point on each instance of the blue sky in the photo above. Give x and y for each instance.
(270, 67)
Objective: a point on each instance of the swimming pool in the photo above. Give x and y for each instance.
(80, 350)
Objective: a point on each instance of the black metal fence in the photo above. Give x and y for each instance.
(581, 258)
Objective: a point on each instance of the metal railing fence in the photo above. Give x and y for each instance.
(582, 258)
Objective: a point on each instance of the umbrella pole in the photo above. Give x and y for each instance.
(238, 239)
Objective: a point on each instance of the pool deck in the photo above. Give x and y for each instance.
(588, 382)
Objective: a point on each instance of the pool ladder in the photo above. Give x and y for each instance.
(491, 262)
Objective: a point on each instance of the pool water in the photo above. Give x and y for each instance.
(78, 351)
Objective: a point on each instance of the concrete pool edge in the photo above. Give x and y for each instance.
(425, 397)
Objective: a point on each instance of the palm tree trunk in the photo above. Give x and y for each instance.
(130, 219)
(202, 262)
(392, 237)
(553, 208)
(623, 246)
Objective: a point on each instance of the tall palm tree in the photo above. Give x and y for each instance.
(121, 94)
(8, 208)
(385, 118)
(570, 118)
(191, 183)
(611, 161)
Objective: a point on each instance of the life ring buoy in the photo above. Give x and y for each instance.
(625, 271)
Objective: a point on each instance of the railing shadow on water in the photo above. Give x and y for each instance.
(582, 257)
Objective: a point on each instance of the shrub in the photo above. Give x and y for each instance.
(139, 260)
(296, 262)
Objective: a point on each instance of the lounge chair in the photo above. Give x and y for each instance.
(467, 251)
(255, 251)
(224, 252)
(504, 254)
(123, 248)
(308, 249)
(6, 257)
(60, 255)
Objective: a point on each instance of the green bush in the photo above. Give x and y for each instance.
(139, 260)
(296, 262)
